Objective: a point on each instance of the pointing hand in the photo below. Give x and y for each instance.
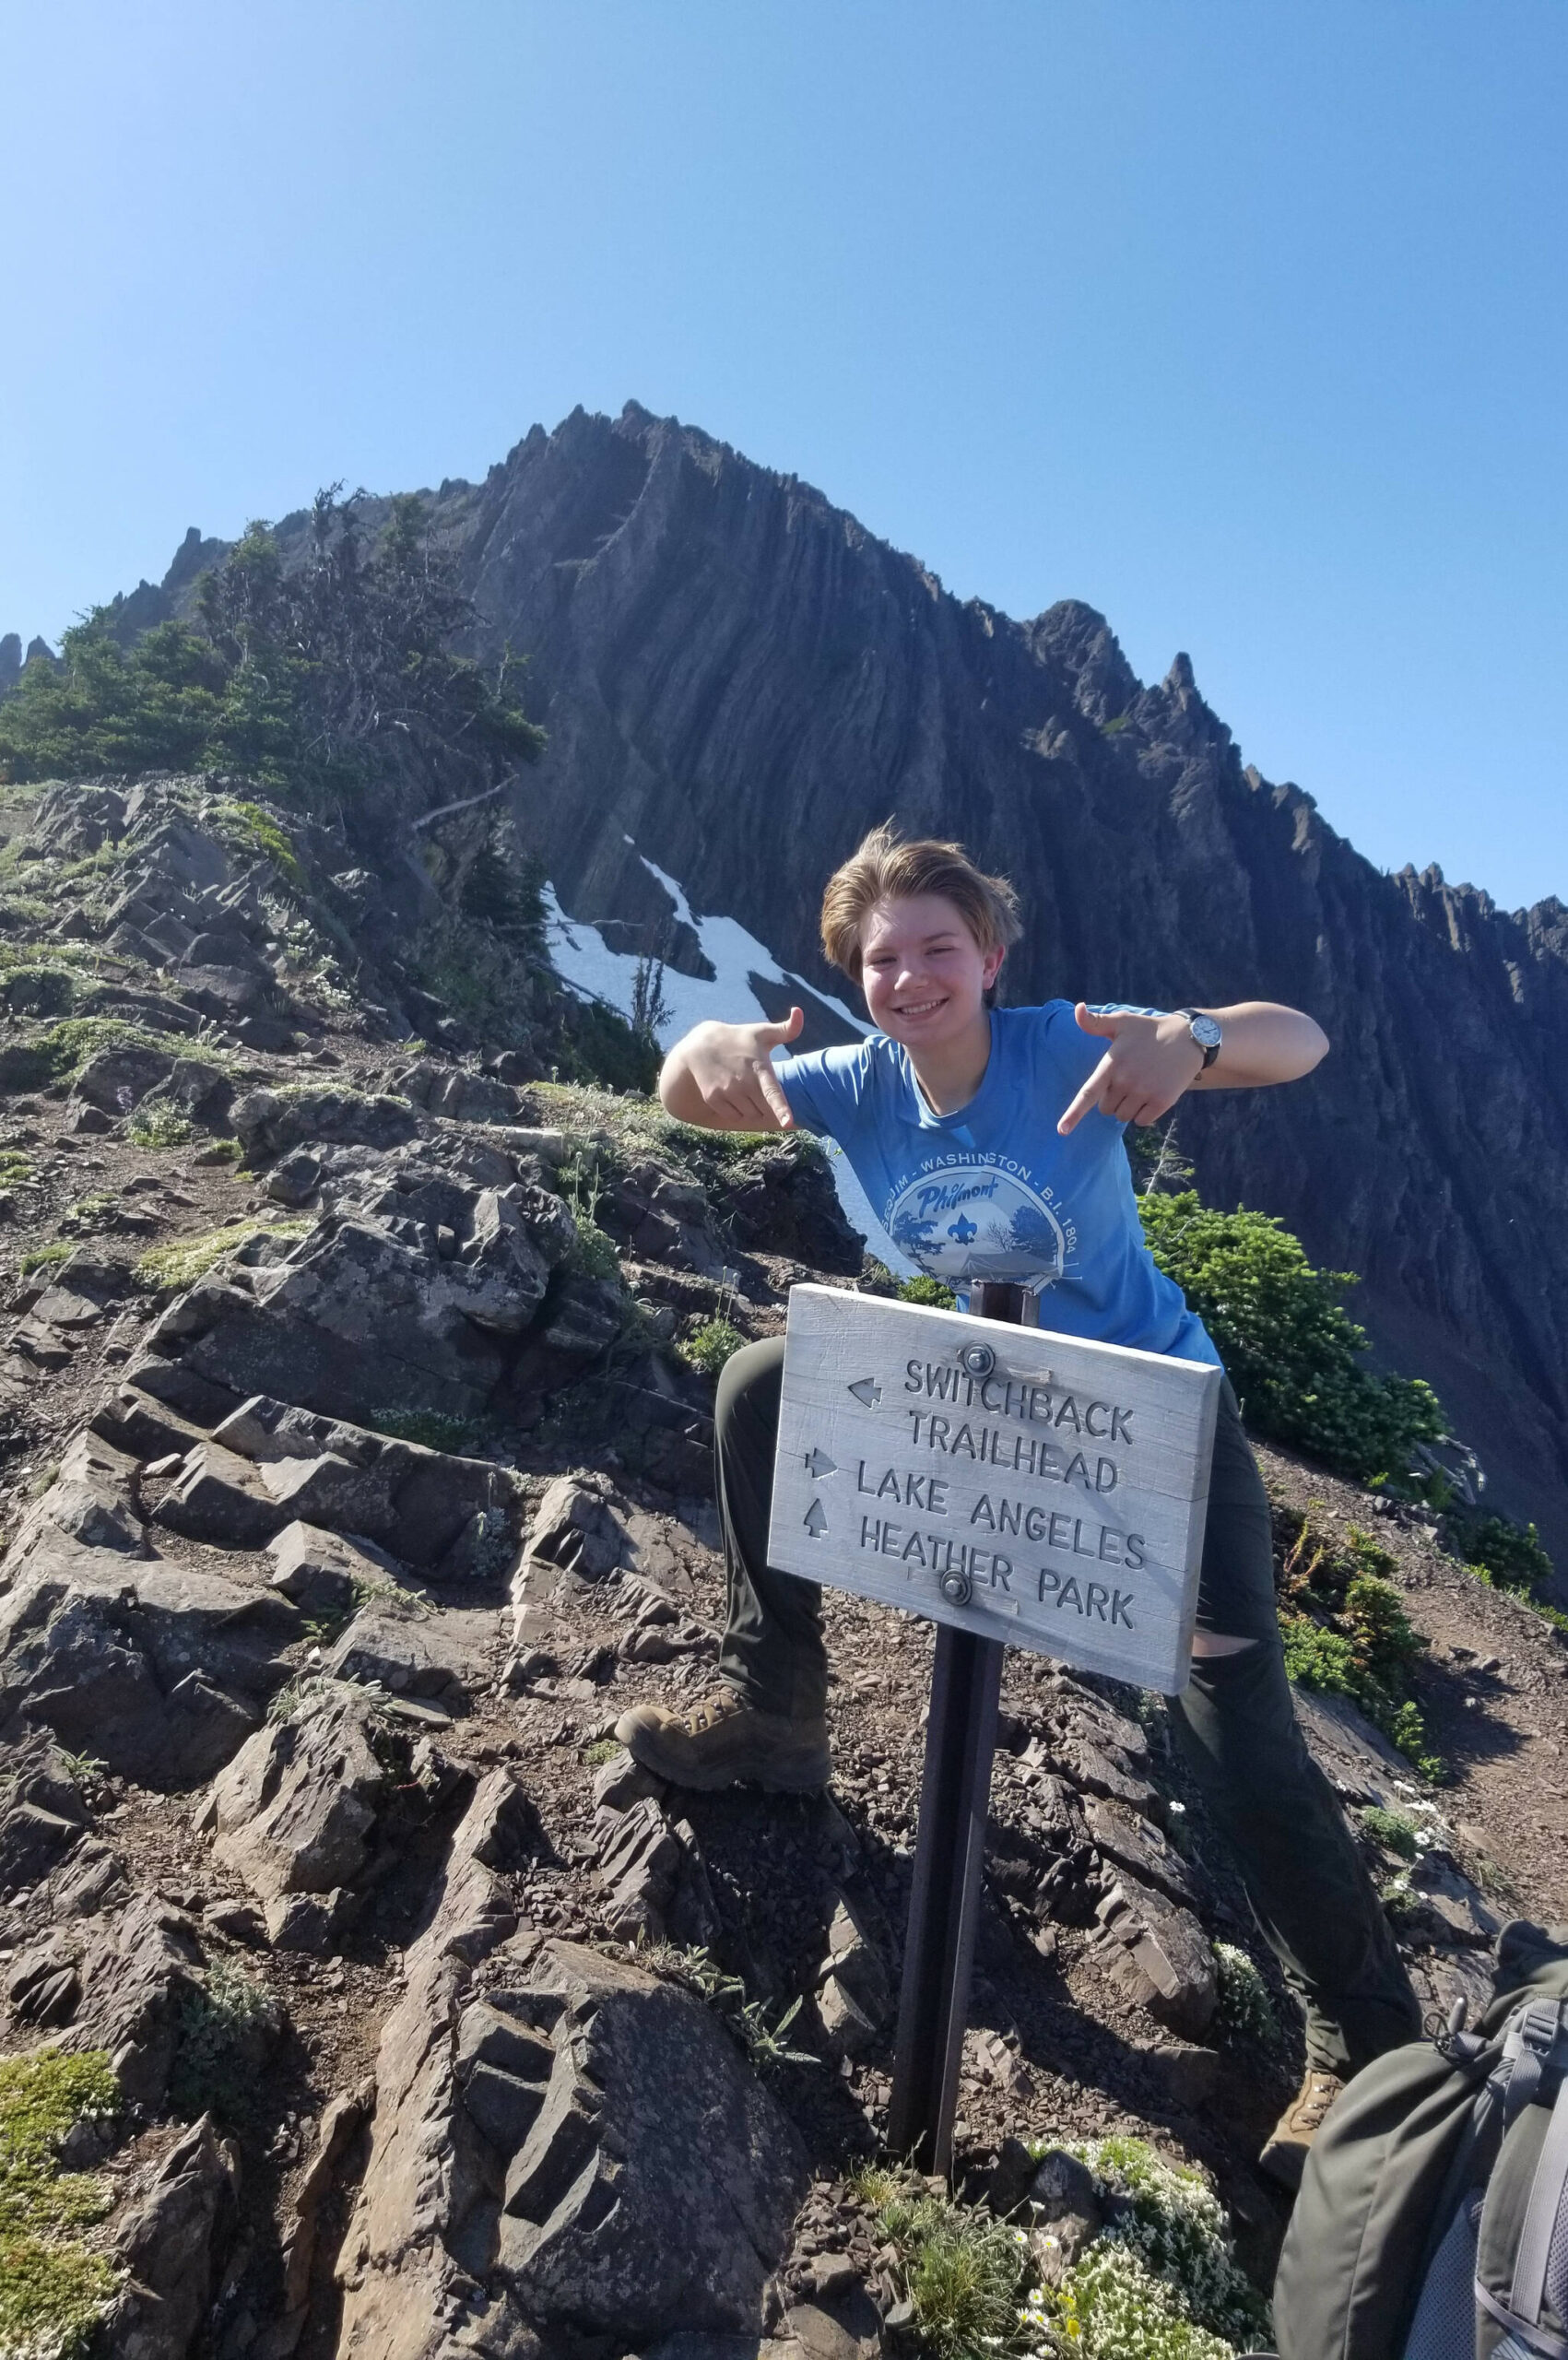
(731, 1066)
(1149, 1061)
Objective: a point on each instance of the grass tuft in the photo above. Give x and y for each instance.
(170, 1269)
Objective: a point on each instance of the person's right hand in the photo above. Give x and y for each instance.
(729, 1068)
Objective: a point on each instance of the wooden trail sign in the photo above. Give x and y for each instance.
(1025, 1486)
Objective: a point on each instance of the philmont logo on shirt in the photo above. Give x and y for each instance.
(973, 1218)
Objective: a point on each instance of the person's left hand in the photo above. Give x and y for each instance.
(1151, 1060)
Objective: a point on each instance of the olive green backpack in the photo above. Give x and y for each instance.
(1432, 2217)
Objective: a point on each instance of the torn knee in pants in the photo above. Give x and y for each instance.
(1219, 1643)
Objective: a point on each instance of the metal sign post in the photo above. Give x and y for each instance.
(949, 1865)
(1015, 1486)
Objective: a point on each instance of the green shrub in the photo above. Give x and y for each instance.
(247, 829)
(599, 1046)
(929, 1292)
(1246, 2011)
(60, 1054)
(53, 2289)
(1392, 1830)
(711, 1345)
(1110, 2305)
(45, 1257)
(156, 1123)
(228, 2027)
(38, 991)
(1292, 1351)
(594, 1251)
(1509, 1553)
(1346, 1631)
(312, 679)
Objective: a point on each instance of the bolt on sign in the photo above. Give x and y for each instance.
(1026, 1486)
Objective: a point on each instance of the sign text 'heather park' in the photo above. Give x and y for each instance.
(1026, 1486)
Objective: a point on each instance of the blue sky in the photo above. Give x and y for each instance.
(1242, 318)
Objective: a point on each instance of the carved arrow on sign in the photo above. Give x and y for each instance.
(818, 1464)
(815, 1520)
(866, 1391)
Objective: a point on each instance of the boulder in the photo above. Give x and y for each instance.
(134, 1971)
(92, 1880)
(855, 1999)
(651, 1871)
(218, 1497)
(89, 1501)
(456, 1518)
(170, 2245)
(318, 1570)
(96, 1647)
(368, 1321)
(782, 1200)
(404, 1648)
(573, 2150)
(294, 1813)
(268, 1122)
(575, 1531)
(1130, 1841)
(42, 1811)
(117, 1080)
(1163, 1958)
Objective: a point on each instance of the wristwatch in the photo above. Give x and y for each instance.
(1206, 1033)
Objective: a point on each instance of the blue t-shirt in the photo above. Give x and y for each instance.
(994, 1192)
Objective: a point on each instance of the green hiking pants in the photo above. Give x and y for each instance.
(1235, 1721)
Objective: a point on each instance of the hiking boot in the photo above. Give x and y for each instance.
(723, 1739)
(1284, 2158)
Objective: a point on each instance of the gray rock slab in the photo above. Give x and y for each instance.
(1130, 1841)
(218, 1498)
(93, 1645)
(441, 1657)
(295, 1809)
(318, 1570)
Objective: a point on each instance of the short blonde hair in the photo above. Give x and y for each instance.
(885, 869)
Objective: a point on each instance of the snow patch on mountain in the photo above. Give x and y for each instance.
(583, 958)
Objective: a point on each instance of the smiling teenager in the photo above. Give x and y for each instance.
(990, 1141)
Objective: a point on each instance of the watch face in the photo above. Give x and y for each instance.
(1206, 1031)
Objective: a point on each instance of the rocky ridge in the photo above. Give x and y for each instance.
(739, 679)
(357, 1478)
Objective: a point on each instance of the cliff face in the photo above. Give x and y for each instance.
(738, 676)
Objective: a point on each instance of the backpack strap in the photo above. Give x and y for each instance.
(1552, 2347)
(1526, 2054)
(1541, 2214)
(1520, 2313)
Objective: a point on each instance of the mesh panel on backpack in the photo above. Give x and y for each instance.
(1444, 2324)
(1557, 2265)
